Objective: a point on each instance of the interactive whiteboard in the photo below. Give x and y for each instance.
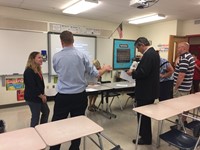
(15, 47)
(87, 44)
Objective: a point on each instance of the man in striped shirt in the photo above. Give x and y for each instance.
(184, 71)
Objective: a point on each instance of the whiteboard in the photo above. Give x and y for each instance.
(87, 44)
(15, 47)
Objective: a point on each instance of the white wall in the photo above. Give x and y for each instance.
(189, 28)
(62, 19)
(159, 33)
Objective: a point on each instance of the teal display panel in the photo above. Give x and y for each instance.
(123, 53)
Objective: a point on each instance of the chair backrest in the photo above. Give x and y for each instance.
(194, 125)
(180, 139)
(183, 140)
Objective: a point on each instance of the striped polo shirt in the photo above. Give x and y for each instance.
(185, 65)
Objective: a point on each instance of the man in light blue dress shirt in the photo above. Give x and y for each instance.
(71, 66)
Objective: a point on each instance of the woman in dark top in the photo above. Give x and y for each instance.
(34, 89)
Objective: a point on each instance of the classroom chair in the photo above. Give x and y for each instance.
(181, 139)
(131, 95)
(112, 95)
(195, 127)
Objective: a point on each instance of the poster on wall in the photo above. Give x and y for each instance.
(123, 53)
(14, 84)
(20, 95)
(163, 47)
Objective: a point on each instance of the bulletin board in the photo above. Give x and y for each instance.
(15, 47)
(123, 53)
(87, 44)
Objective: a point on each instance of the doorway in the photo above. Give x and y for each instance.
(173, 43)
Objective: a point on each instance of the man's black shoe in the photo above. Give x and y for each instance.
(141, 142)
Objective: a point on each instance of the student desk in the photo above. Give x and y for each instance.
(184, 103)
(91, 89)
(65, 130)
(166, 109)
(120, 86)
(97, 88)
(100, 88)
(23, 139)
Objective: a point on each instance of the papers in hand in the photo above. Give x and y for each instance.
(126, 77)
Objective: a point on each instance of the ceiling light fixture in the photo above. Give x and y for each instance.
(145, 19)
(80, 6)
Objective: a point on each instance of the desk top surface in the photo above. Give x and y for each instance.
(120, 85)
(157, 111)
(184, 103)
(23, 139)
(198, 93)
(170, 108)
(98, 87)
(61, 131)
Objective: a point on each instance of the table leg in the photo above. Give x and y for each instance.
(108, 110)
(181, 124)
(84, 145)
(107, 113)
(100, 141)
(138, 130)
(160, 124)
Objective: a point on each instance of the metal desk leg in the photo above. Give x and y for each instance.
(138, 130)
(84, 145)
(100, 141)
(117, 147)
(106, 112)
(160, 124)
(101, 103)
(181, 124)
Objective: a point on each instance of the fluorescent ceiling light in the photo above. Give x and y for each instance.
(145, 19)
(80, 6)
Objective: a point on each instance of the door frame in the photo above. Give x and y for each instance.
(173, 43)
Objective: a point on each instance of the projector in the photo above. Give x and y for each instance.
(139, 3)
